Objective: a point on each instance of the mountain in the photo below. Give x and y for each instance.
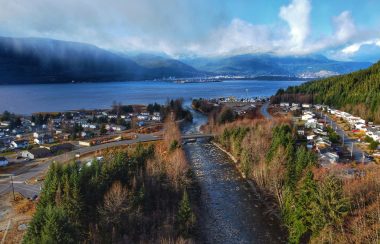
(357, 92)
(164, 66)
(37, 60)
(310, 66)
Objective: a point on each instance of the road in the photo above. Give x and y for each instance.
(264, 111)
(357, 153)
(28, 190)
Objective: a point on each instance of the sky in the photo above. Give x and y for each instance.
(339, 29)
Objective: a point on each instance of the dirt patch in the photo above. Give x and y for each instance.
(14, 217)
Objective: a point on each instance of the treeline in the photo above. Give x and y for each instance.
(316, 205)
(132, 196)
(202, 105)
(175, 108)
(357, 93)
(14, 120)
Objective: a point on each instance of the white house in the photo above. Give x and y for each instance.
(156, 118)
(5, 123)
(46, 139)
(307, 116)
(36, 153)
(284, 104)
(19, 144)
(142, 117)
(3, 161)
(310, 137)
(306, 105)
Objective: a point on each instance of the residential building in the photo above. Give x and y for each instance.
(3, 161)
(17, 144)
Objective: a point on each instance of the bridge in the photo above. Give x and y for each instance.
(196, 136)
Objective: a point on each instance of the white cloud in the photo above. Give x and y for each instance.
(297, 15)
(177, 27)
(344, 26)
(352, 48)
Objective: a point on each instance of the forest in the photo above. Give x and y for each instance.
(357, 93)
(135, 195)
(316, 205)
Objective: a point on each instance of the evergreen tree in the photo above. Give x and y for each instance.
(185, 215)
(57, 228)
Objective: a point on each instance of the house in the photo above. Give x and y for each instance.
(19, 144)
(5, 123)
(156, 118)
(38, 134)
(46, 139)
(142, 117)
(306, 105)
(284, 104)
(310, 137)
(301, 132)
(306, 117)
(64, 147)
(3, 161)
(327, 158)
(36, 153)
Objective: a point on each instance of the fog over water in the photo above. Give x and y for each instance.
(25, 99)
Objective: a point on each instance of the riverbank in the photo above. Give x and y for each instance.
(228, 211)
(257, 191)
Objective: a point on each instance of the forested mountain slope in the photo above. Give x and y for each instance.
(357, 92)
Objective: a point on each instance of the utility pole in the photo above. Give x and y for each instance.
(342, 140)
(13, 189)
(352, 148)
(363, 158)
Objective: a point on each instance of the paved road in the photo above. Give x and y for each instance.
(31, 190)
(264, 111)
(357, 153)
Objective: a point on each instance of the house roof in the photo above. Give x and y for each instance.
(40, 152)
(20, 141)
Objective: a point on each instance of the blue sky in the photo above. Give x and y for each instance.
(340, 29)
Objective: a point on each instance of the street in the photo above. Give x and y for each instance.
(357, 153)
(29, 190)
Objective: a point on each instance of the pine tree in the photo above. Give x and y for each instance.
(185, 215)
(57, 228)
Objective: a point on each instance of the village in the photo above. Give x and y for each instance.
(336, 136)
(26, 138)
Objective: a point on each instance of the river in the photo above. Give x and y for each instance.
(229, 210)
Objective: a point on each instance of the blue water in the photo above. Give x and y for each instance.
(26, 99)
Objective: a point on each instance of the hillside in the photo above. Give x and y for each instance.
(37, 60)
(163, 66)
(309, 66)
(357, 92)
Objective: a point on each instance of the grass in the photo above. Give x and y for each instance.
(4, 154)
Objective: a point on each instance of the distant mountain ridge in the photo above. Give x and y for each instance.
(35, 60)
(38, 60)
(309, 66)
